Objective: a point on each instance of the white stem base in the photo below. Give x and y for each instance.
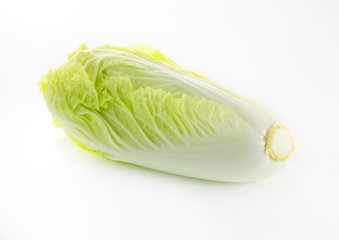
(279, 142)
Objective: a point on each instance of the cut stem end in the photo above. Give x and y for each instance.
(279, 142)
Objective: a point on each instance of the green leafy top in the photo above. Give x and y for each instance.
(134, 98)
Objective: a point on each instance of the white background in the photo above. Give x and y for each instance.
(284, 54)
